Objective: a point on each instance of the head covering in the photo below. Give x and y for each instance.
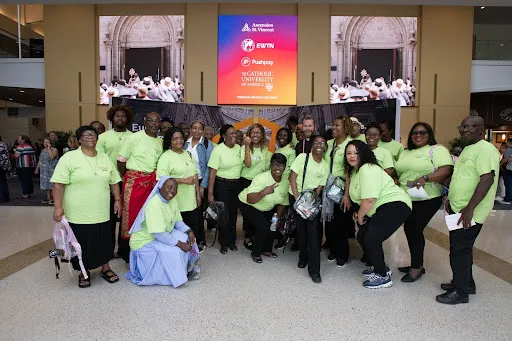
(355, 120)
(137, 224)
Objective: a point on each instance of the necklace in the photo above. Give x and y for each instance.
(95, 164)
(120, 136)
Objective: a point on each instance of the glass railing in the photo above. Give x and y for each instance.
(492, 50)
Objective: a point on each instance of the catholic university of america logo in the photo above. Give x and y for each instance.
(246, 28)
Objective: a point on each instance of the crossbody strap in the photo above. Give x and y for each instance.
(304, 172)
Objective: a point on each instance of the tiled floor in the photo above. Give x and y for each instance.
(237, 299)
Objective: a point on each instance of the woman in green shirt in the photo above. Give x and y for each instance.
(383, 208)
(256, 157)
(258, 204)
(225, 167)
(179, 165)
(383, 156)
(424, 164)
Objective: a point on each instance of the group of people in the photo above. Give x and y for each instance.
(167, 89)
(159, 187)
(370, 90)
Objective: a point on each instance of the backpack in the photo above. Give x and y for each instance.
(66, 247)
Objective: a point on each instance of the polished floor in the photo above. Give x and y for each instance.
(237, 299)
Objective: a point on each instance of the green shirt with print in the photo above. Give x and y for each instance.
(338, 166)
(394, 147)
(226, 161)
(384, 158)
(110, 143)
(260, 162)
(289, 152)
(316, 173)
(268, 202)
(142, 152)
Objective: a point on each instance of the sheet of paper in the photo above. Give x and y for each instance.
(452, 220)
(418, 193)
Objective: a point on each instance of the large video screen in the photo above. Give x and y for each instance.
(373, 58)
(257, 60)
(142, 57)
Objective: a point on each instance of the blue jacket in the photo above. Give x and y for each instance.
(203, 155)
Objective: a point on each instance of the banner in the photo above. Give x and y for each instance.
(257, 60)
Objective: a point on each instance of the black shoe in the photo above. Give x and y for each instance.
(281, 243)
(223, 250)
(295, 247)
(331, 257)
(256, 259)
(449, 287)
(233, 247)
(248, 245)
(316, 278)
(302, 265)
(452, 297)
(408, 278)
(340, 263)
(406, 269)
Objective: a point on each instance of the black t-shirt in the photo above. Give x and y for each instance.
(303, 146)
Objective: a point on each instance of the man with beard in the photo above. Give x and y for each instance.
(472, 191)
(110, 143)
(137, 162)
(308, 128)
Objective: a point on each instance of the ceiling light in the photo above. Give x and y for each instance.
(40, 101)
(10, 99)
(22, 91)
(482, 7)
(502, 45)
(503, 136)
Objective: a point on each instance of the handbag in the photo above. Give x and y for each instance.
(336, 189)
(309, 204)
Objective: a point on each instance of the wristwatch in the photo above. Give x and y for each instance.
(425, 177)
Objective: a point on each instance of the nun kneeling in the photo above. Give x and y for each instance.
(163, 248)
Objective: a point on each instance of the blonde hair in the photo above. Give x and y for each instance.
(73, 141)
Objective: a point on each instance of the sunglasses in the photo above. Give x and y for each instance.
(419, 132)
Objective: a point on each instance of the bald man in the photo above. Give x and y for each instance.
(137, 162)
(472, 191)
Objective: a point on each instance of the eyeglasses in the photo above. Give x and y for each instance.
(89, 136)
(468, 126)
(419, 132)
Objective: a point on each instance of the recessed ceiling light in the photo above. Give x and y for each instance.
(502, 44)
(482, 7)
(22, 91)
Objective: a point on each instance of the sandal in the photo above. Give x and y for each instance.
(256, 259)
(269, 254)
(82, 282)
(109, 275)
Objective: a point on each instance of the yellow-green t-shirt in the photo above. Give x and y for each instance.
(159, 217)
(316, 173)
(268, 202)
(371, 181)
(360, 138)
(384, 158)
(289, 152)
(294, 140)
(179, 166)
(394, 147)
(260, 162)
(87, 183)
(142, 152)
(415, 163)
(338, 167)
(110, 143)
(226, 161)
(476, 160)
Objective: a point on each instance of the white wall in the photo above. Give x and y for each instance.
(491, 75)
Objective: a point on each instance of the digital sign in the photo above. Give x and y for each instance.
(257, 60)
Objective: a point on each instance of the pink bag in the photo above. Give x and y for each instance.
(66, 247)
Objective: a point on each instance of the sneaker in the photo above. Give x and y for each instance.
(281, 243)
(331, 257)
(340, 263)
(371, 271)
(194, 274)
(376, 281)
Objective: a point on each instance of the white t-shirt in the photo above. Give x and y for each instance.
(193, 152)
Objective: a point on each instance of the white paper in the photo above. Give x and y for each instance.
(452, 220)
(418, 193)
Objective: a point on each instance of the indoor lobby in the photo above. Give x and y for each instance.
(90, 46)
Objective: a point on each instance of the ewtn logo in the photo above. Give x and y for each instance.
(246, 28)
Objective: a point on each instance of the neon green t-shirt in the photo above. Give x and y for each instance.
(260, 162)
(179, 166)
(384, 158)
(394, 147)
(260, 181)
(294, 140)
(87, 183)
(371, 181)
(316, 173)
(142, 152)
(476, 160)
(110, 143)
(338, 167)
(226, 161)
(289, 152)
(415, 163)
(160, 217)
(360, 138)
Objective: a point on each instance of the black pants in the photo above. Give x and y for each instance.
(249, 231)
(309, 233)
(386, 220)
(191, 219)
(4, 189)
(260, 223)
(337, 231)
(227, 192)
(461, 257)
(25, 175)
(422, 212)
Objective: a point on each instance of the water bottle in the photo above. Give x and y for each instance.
(273, 225)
